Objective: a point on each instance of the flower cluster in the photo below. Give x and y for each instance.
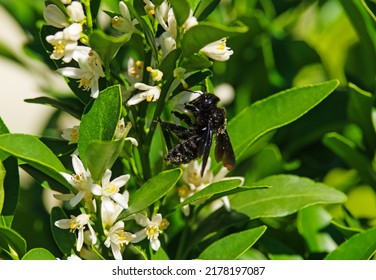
(112, 203)
(68, 44)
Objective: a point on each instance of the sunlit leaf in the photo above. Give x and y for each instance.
(99, 120)
(273, 112)
(361, 246)
(232, 246)
(287, 195)
(39, 254)
(11, 238)
(32, 151)
(152, 191)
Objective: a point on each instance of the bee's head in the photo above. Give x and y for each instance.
(205, 101)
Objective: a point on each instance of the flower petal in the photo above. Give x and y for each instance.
(77, 198)
(139, 97)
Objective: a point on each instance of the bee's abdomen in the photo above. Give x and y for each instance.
(184, 152)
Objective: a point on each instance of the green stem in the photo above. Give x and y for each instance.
(89, 18)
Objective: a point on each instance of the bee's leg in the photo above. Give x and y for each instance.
(183, 117)
(180, 131)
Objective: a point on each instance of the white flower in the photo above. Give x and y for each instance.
(81, 181)
(66, 2)
(191, 21)
(156, 74)
(122, 130)
(149, 7)
(167, 43)
(110, 189)
(74, 257)
(89, 71)
(73, 32)
(54, 16)
(63, 48)
(151, 230)
(71, 134)
(117, 237)
(124, 23)
(135, 70)
(111, 211)
(195, 182)
(217, 50)
(150, 93)
(76, 12)
(77, 223)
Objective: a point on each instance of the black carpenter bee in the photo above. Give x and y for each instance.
(196, 140)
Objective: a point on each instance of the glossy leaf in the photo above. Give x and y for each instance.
(273, 112)
(152, 191)
(204, 8)
(200, 35)
(287, 195)
(11, 238)
(361, 246)
(360, 112)
(311, 222)
(64, 239)
(212, 189)
(347, 151)
(102, 155)
(32, 151)
(9, 190)
(232, 246)
(181, 10)
(71, 106)
(106, 45)
(39, 254)
(99, 120)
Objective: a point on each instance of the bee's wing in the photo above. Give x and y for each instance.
(224, 151)
(205, 146)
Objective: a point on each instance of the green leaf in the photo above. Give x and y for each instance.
(311, 222)
(152, 191)
(102, 155)
(200, 35)
(346, 231)
(361, 246)
(11, 238)
(3, 128)
(232, 246)
(64, 239)
(287, 195)
(39, 254)
(214, 188)
(360, 112)
(181, 10)
(205, 8)
(107, 46)
(273, 112)
(9, 190)
(159, 255)
(70, 105)
(139, 13)
(99, 120)
(366, 48)
(32, 151)
(346, 150)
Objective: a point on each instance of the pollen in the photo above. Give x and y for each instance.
(152, 12)
(149, 98)
(59, 48)
(115, 21)
(222, 45)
